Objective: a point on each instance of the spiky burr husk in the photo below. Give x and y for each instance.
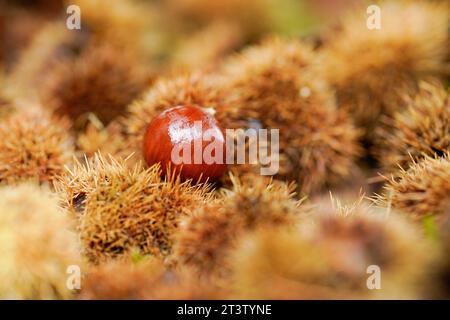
(328, 257)
(37, 247)
(191, 89)
(252, 17)
(102, 81)
(127, 24)
(142, 280)
(19, 23)
(119, 209)
(422, 129)
(117, 27)
(422, 190)
(33, 146)
(204, 49)
(368, 67)
(206, 238)
(278, 85)
(50, 46)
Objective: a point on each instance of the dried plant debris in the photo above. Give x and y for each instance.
(37, 246)
(120, 210)
(422, 129)
(33, 146)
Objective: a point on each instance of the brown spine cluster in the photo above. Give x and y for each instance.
(368, 68)
(120, 209)
(102, 81)
(33, 146)
(329, 255)
(422, 190)
(144, 279)
(37, 245)
(423, 129)
(207, 237)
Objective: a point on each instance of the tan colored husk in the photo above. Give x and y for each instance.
(206, 238)
(422, 129)
(103, 80)
(328, 258)
(420, 191)
(121, 209)
(37, 246)
(368, 68)
(33, 146)
(143, 280)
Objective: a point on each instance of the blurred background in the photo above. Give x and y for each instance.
(169, 29)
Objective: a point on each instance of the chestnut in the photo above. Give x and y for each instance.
(189, 140)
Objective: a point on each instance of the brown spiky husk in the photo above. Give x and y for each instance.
(204, 49)
(119, 209)
(422, 190)
(369, 67)
(102, 81)
(328, 257)
(206, 238)
(128, 24)
(37, 246)
(252, 16)
(143, 280)
(278, 85)
(117, 27)
(33, 146)
(17, 28)
(50, 46)
(422, 129)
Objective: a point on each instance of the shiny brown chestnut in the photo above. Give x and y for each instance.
(189, 140)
